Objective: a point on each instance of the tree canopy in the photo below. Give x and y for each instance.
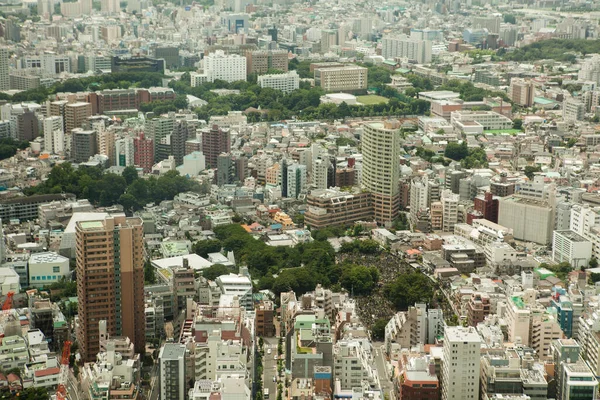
(408, 289)
(554, 49)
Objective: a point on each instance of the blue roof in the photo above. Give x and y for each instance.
(276, 226)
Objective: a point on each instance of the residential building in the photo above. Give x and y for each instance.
(450, 210)
(332, 207)
(215, 141)
(54, 135)
(296, 180)
(4, 66)
(110, 267)
(143, 152)
(461, 363)
(76, 114)
(381, 169)
(522, 92)
(573, 110)
(415, 50)
(172, 372)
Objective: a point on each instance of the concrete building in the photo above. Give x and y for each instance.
(54, 135)
(340, 79)
(296, 180)
(76, 114)
(46, 268)
(573, 110)
(419, 199)
(214, 142)
(530, 219)
(568, 246)
(259, 62)
(172, 372)
(113, 245)
(450, 210)
(143, 152)
(287, 82)
(476, 122)
(590, 70)
(402, 46)
(461, 363)
(353, 365)
(225, 67)
(124, 153)
(381, 167)
(83, 145)
(522, 92)
(332, 207)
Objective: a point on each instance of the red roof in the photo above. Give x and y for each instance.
(13, 377)
(47, 371)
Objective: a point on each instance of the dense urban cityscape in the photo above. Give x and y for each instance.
(282, 200)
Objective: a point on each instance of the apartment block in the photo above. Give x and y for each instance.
(331, 207)
(172, 371)
(522, 92)
(110, 267)
(259, 62)
(461, 363)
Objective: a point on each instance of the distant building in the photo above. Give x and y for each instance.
(137, 64)
(285, 82)
(345, 78)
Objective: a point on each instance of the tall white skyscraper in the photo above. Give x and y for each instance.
(461, 369)
(4, 63)
(381, 167)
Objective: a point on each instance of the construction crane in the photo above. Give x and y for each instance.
(8, 303)
(61, 390)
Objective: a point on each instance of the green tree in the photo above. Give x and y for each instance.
(531, 170)
(517, 123)
(130, 174)
(358, 279)
(149, 273)
(408, 289)
(214, 271)
(378, 329)
(593, 262)
(456, 151)
(204, 247)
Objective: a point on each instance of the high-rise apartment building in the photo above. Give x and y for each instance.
(381, 167)
(110, 281)
(406, 47)
(106, 144)
(143, 155)
(124, 152)
(54, 135)
(214, 142)
(450, 210)
(296, 180)
(4, 63)
(522, 92)
(172, 363)
(460, 369)
(76, 114)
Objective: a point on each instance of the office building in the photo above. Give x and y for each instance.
(402, 46)
(84, 145)
(225, 67)
(381, 167)
(172, 372)
(47, 268)
(340, 79)
(110, 284)
(521, 92)
(214, 142)
(170, 54)
(287, 82)
(530, 219)
(260, 62)
(460, 369)
(568, 246)
(137, 64)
